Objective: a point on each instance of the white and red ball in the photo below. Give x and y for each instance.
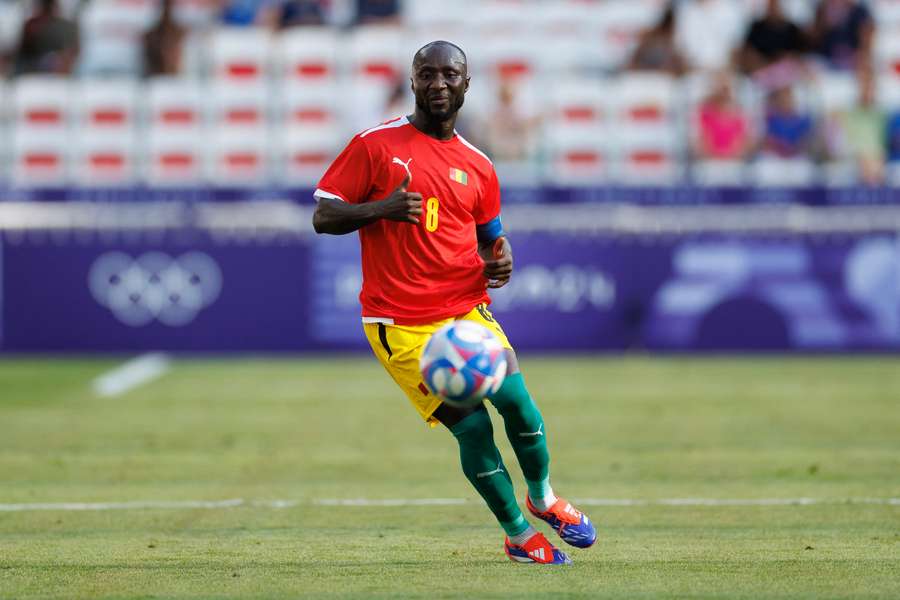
(462, 363)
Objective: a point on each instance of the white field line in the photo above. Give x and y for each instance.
(393, 502)
(134, 373)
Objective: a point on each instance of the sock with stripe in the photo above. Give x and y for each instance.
(484, 468)
(525, 430)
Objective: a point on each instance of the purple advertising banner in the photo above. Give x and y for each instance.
(188, 291)
(179, 292)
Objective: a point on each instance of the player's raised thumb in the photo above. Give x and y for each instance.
(402, 187)
(498, 248)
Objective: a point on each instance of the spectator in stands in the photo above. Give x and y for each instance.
(163, 44)
(247, 13)
(860, 133)
(377, 11)
(893, 137)
(656, 50)
(723, 125)
(49, 42)
(843, 33)
(790, 132)
(774, 48)
(510, 130)
(707, 32)
(302, 12)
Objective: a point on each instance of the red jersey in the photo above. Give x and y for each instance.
(416, 274)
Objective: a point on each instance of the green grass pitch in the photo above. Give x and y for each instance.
(336, 428)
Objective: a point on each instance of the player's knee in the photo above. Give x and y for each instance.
(476, 425)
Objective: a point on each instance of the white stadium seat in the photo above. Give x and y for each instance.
(103, 158)
(174, 103)
(40, 157)
(173, 158)
(41, 102)
(577, 157)
(238, 156)
(309, 105)
(107, 105)
(304, 153)
(238, 105)
(240, 55)
(308, 55)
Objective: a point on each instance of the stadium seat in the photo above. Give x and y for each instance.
(105, 105)
(887, 51)
(576, 158)
(719, 173)
(174, 103)
(838, 92)
(40, 157)
(173, 158)
(240, 55)
(643, 101)
(309, 105)
(374, 54)
(649, 157)
(619, 23)
(41, 102)
(578, 103)
(305, 153)
(104, 158)
(308, 55)
(238, 156)
(238, 105)
(886, 12)
(783, 172)
(434, 13)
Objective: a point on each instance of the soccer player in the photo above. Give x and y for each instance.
(426, 204)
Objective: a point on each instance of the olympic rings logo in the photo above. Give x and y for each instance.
(155, 286)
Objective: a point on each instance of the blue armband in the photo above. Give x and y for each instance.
(490, 231)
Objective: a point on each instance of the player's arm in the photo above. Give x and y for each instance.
(338, 217)
(496, 252)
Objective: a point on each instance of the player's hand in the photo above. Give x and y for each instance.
(401, 205)
(498, 263)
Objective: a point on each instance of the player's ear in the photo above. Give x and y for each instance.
(468, 79)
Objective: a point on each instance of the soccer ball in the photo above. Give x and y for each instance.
(462, 363)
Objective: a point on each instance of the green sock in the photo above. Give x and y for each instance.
(484, 468)
(525, 430)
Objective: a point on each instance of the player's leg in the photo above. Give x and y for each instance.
(483, 467)
(398, 349)
(527, 434)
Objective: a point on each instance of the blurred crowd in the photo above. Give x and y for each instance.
(762, 64)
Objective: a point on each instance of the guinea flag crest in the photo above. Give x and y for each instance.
(459, 176)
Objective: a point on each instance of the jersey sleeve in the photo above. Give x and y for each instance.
(488, 206)
(349, 177)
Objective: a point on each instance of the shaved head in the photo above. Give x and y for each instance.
(455, 52)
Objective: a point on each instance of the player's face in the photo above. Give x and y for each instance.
(439, 83)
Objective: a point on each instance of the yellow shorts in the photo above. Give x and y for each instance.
(398, 348)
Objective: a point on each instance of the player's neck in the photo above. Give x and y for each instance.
(441, 130)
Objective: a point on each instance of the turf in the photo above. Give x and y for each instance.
(302, 430)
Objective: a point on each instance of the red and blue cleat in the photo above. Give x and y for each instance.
(572, 525)
(536, 550)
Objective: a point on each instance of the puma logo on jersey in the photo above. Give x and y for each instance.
(405, 165)
(538, 554)
(499, 469)
(533, 433)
